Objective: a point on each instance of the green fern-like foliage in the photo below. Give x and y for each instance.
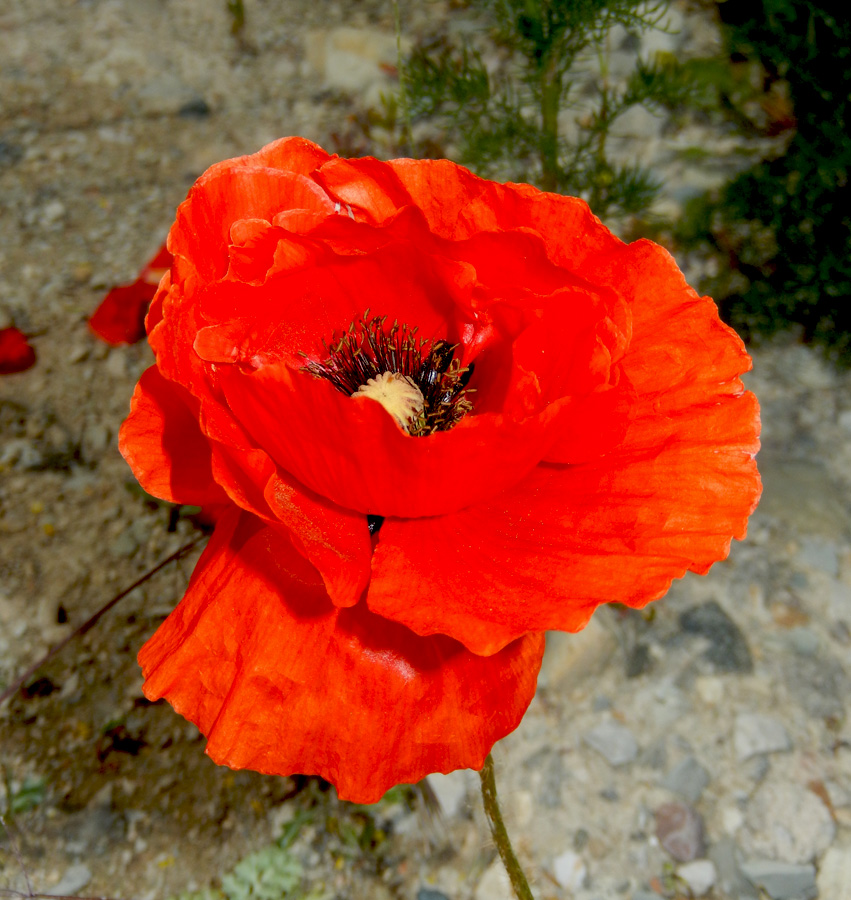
(504, 120)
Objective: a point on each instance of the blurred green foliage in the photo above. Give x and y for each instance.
(784, 226)
(530, 97)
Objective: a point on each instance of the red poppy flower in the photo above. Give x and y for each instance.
(120, 317)
(16, 354)
(441, 415)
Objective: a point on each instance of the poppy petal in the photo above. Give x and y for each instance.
(16, 354)
(335, 540)
(285, 683)
(353, 452)
(164, 446)
(620, 528)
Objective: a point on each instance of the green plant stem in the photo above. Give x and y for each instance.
(407, 141)
(550, 86)
(500, 835)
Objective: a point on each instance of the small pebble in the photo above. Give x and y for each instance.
(614, 742)
(76, 877)
(834, 873)
(688, 779)
(699, 875)
(728, 650)
(124, 546)
(783, 881)
(430, 894)
(569, 870)
(680, 831)
(756, 733)
(804, 641)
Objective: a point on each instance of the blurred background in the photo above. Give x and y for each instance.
(701, 751)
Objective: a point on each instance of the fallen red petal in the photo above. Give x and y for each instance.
(16, 354)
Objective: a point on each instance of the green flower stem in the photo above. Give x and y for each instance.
(550, 86)
(500, 835)
(407, 140)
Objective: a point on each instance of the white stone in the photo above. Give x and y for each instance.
(494, 884)
(351, 59)
(732, 819)
(787, 822)
(76, 877)
(569, 870)
(699, 875)
(757, 733)
(450, 790)
(710, 689)
(834, 873)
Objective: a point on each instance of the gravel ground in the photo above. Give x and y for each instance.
(695, 754)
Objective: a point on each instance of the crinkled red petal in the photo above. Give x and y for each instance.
(335, 540)
(164, 446)
(666, 499)
(16, 354)
(353, 452)
(283, 682)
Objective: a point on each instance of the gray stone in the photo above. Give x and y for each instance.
(614, 742)
(817, 553)
(646, 895)
(124, 546)
(165, 94)
(680, 831)
(728, 650)
(782, 881)
(756, 733)
(802, 493)
(819, 684)
(688, 779)
(74, 879)
(430, 894)
(804, 641)
(729, 877)
(552, 776)
(787, 822)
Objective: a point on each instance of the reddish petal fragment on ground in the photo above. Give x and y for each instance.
(164, 446)
(158, 266)
(283, 682)
(120, 318)
(16, 354)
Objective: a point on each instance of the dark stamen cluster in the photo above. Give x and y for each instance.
(368, 349)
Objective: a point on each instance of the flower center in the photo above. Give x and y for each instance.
(397, 394)
(417, 380)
